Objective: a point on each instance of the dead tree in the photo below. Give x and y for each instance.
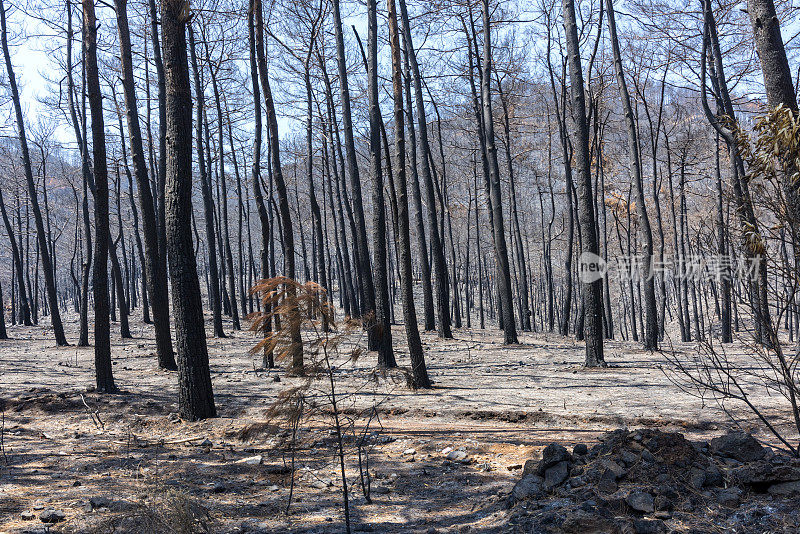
(102, 333)
(195, 396)
(47, 266)
(592, 289)
(155, 278)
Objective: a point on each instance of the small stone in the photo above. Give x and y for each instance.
(27, 515)
(218, 487)
(730, 498)
(458, 456)
(528, 487)
(739, 446)
(98, 502)
(697, 478)
(663, 503)
(785, 489)
(613, 467)
(250, 460)
(580, 449)
(553, 454)
(273, 488)
(205, 443)
(607, 484)
(641, 502)
(530, 467)
(52, 516)
(408, 452)
(647, 526)
(554, 476)
(76, 483)
(714, 476)
(629, 457)
(322, 483)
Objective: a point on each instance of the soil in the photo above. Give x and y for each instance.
(493, 406)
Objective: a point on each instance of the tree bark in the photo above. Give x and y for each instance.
(208, 201)
(296, 351)
(102, 333)
(418, 368)
(21, 296)
(362, 250)
(47, 266)
(651, 314)
(593, 290)
(383, 327)
(437, 249)
(500, 248)
(255, 171)
(195, 394)
(155, 278)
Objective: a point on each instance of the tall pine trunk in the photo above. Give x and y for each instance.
(419, 370)
(195, 394)
(383, 327)
(593, 290)
(651, 315)
(47, 266)
(296, 350)
(436, 248)
(500, 248)
(102, 333)
(155, 278)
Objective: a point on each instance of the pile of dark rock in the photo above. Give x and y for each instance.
(648, 481)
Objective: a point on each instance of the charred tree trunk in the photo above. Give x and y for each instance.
(383, 333)
(419, 370)
(592, 288)
(255, 171)
(21, 295)
(102, 327)
(208, 201)
(47, 266)
(195, 394)
(86, 176)
(437, 248)
(155, 277)
(651, 314)
(500, 249)
(296, 351)
(360, 236)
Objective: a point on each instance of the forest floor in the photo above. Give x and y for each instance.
(127, 463)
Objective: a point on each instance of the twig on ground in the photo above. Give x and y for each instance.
(3, 434)
(94, 415)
